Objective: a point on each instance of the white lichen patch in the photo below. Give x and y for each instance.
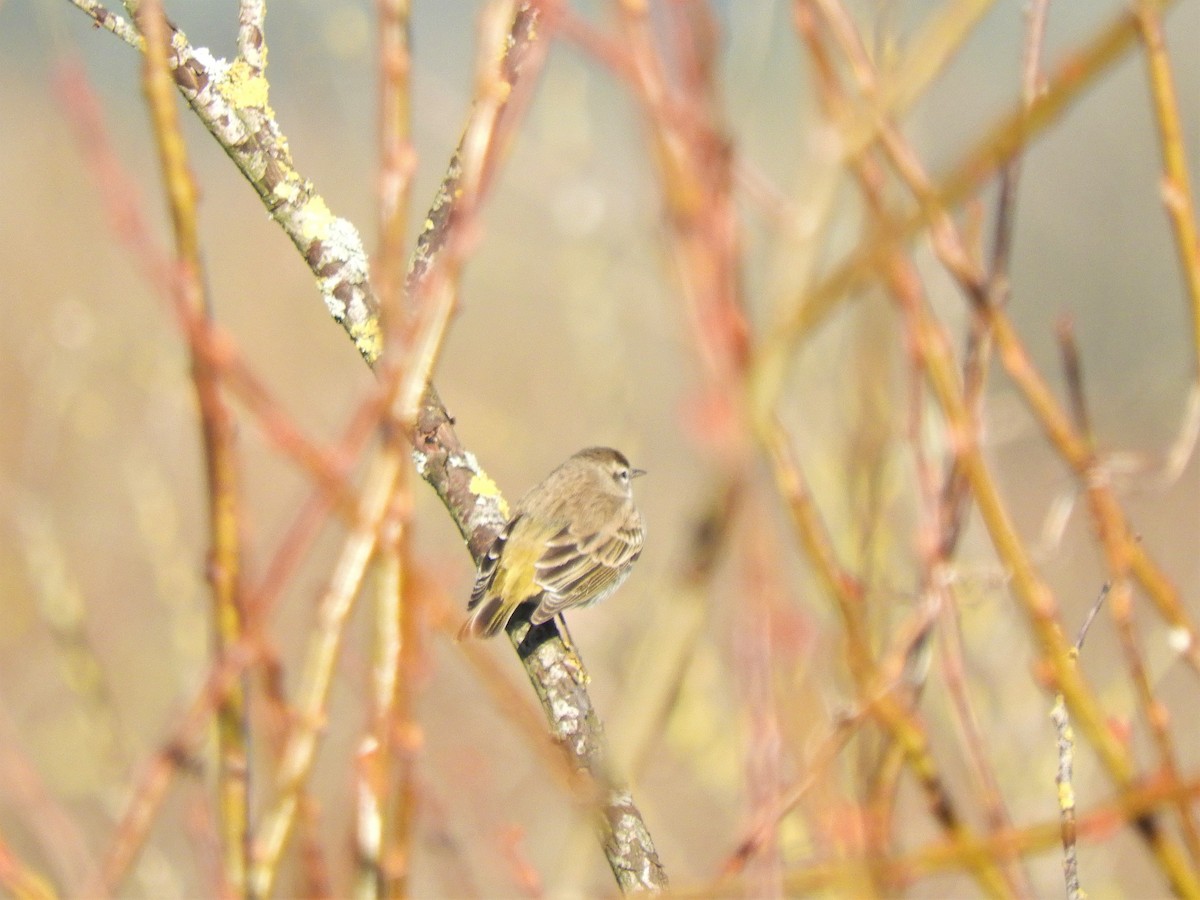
(566, 716)
(216, 66)
(552, 662)
(621, 797)
(343, 241)
(420, 461)
(341, 246)
(487, 513)
(336, 307)
(464, 460)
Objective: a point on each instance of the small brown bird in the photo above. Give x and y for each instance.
(571, 542)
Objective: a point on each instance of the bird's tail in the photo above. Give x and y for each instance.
(486, 618)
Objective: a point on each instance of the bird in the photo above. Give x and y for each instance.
(571, 541)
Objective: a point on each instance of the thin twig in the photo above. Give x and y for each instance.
(1176, 184)
(1064, 776)
(400, 642)
(219, 442)
(384, 788)
(1073, 374)
(112, 22)
(252, 35)
(1010, 175)
(397, 160)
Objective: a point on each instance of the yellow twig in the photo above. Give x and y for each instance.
(1176, 185)
(218, 433)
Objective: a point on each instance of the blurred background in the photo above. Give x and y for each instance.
(570, 333)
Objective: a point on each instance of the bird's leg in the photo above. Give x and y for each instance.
(567, 640)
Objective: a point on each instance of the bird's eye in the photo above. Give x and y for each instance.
(622, 475)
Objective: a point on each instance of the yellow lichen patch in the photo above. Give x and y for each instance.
(286, 191)
(483, 486)
(1066, 796)
(244, 88)
(368, 338)
(315, 219)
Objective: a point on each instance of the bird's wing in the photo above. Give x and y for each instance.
(578, 568)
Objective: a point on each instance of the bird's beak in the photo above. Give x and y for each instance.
(634, 473)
